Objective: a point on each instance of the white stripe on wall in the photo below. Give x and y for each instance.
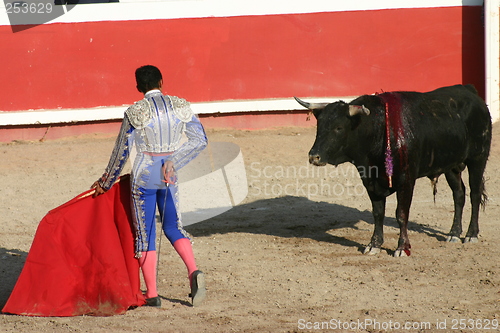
(40, 117)
(174, 9)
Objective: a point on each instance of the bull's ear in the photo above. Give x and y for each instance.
(358, 109)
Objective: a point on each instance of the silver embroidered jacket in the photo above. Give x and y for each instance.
(156, 124)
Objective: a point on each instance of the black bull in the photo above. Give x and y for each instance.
(405, 136)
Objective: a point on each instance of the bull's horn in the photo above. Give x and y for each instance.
(358, 109)
(311, 106)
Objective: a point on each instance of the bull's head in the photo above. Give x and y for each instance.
(336, 121)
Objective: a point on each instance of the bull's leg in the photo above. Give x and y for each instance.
(378, 211)
(476, 184)
(404, 197)
(454, 179)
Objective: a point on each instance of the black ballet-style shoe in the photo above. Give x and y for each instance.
(154, 302)
(198, 290)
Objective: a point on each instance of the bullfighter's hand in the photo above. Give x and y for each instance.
(168, 172)
(98, 189)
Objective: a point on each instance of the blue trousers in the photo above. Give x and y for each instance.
(168, 215)
(148, 193)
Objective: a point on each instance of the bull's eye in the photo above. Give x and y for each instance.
(339, 129)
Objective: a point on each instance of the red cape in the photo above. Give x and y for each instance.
(82, 260)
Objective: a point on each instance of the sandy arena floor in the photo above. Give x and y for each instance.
(287, 259)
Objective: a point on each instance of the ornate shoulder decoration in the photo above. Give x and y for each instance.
(182, 109)
(139, 114)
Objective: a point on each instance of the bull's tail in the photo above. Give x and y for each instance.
(484, 195)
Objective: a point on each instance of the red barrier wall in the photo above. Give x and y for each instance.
(89, 64)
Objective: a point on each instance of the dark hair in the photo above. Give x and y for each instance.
(147, 77)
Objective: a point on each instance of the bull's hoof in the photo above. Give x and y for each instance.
(471, 240)
(453, 239)
(371, 251)
(402, 253)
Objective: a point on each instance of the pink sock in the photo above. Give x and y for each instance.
(185, 251)
(148, 266)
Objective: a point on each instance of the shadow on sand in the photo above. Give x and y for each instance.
(285, 217)
(11, 264)
(292, 216)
